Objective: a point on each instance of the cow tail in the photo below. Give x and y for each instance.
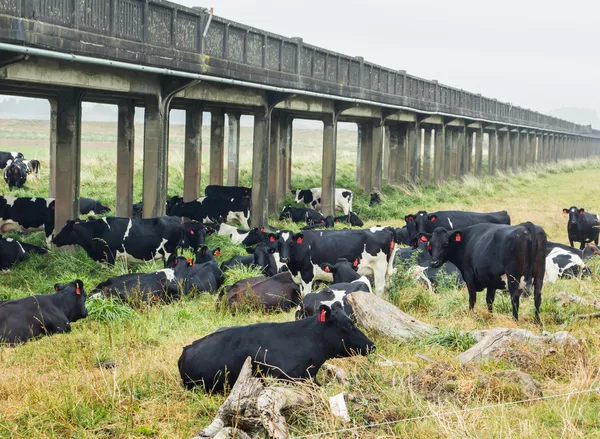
(532, 255)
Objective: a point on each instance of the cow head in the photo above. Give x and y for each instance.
(375, 199)
(343, 270)
(67, 235)
(285, 243)
(172, 202)
(286, 213)
(263, 258)
(574, 214)
(329, 221)
(75, 296)
(355, 220)
(313, 217)
(341, 337)
(440, 243)
(206, 255)
(194, 234)
(401, 235)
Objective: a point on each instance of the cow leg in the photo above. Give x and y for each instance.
(489, 298)
(537, 297)
(472, 298)
(515, 294)
(571, 242)
(582, 246)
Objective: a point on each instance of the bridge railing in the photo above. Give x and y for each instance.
(243, 52)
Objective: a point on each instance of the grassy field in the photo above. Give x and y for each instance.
(52, 387)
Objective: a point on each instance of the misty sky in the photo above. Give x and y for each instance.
(538, 54)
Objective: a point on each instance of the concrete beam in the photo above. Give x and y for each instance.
(260, 169)
(155, 158)
(403, 116)
(233, 149)
(475, 125)
(456, 123)
(329, 165)
(192, 166)
(433, 120)
(52, 154)
(274, 171)
(217, 146)
(125, 158)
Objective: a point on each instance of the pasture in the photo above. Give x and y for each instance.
(53, 387)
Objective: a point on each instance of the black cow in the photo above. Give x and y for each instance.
(89, 206)
(138, 208)
(327, 223)
(27, 215)
(582, 227)
(262, 257)
(290, 350)
(5, 157)
(375, 199)
(301, 214)
(46, 314)
(205, 276)
(15, 174)
(107, 238)
(402, 236)
(450, 220)
(351, 219)
(227, 192)
(304, 252)
(494, 256)
(207, 208)
(13, 251)
(565, 261)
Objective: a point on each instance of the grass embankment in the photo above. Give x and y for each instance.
(51, 388)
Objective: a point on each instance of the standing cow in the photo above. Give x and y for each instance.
(5, 157)
(582, 227)
(15, 174)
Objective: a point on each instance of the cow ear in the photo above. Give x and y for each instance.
(203, 249)
(57, 287)
(432, 218)
(581, 211)
(272, 237)
(355, 264)
(456, 237)
(293, 191)
(327, 268)
(565, 210)
(324, 314)
(423, 237)
(298, 238)
(78, 287)
(409, 218)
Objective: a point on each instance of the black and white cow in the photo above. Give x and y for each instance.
(203, 277)
(108, 238)
(300, 215)
(227, 192)
(27, 215)
(242, 236)
(15, 174)
(327, 223)
(13, 251)
(290, 350)
(312, 198)
(494, 256)
(46, 314)
(206, 209)
(304, 252)
(261, 257)
(89, 206)
(138, 208)
(422, 222)
(582, 227)
(351, 219)
(563, 261)
(33, 168)
(5, 157)
(375, 199)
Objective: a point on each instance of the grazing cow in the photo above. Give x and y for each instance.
(312, 198)
(33, 168)
(46, 314)
(351, 219)
(27, 215)
(304, 252)
(108, 238)
(563, 261)
(268, 293)
(422, 222)
(582, 227)
(290, 350)
(375, 199)
(300, 215)
(89, 206)
(5, 157)
(227, 192)
(15, 174)
(345, 281)
(261, 257)
(494, 256)
(206, 209)
(13, 251)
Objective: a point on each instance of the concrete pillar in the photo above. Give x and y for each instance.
(448, 153)
(555, 147)
(217, 146)
(469, 150)
(501, 150)
(525, 146)
(386, 153)
(329, 164)
(260, 169)
(515, 151)
(192, 166)
(359, 139)
(479, 152)
(427, 155)
(532, 149)
(233, 149)
(125, 156)
(285, 149)
(289, 145)
(52, 152)
(274, 138)
(460, 153)
(413, 142)
(398, 157)
(155, 159)
(377, 155)
(68, 156)
(366, 153)
(438, 157)
(492, 152)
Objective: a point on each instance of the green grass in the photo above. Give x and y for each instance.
(52, 387)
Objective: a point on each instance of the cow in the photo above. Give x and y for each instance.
(261, 257)
(5, 157)
(402, 236)
(45, 314)
(227, 192)
(27, 215)
(583, 227)
(304, 252)
(108, 238)
(345, 281)
(89, 206)
(563, 261)
(351, 219)
(203, 275)
(278, 292)
(312, 198)
(494, 256)
(300, 215)
(15, 174)
(326, 223)
(375, 199)
(289, 350)
(422, 222)
(204, 209)
(33, 168)
(241, 236)
(13, 251)
(138, 208)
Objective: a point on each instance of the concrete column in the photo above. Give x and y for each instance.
(386, 153)
(217, 146)
(555, 147)
(289, 145)
(359, 138)
(233, 149)
(479, 152)
(438, 157)
(329, 164)
(492, 152)
(427, 155)
(514, 151)
(274, 138)
(52, 153)
(450, 158)
(192, 166)
(68, 156)
(532, 148)
(125, 156)
(285, 149)
(413, 142)
(260, 169)
(366, 153)
(398, 156)
(501, 150)
(377, 155)
(469, 150)
(525, 146)
(460, 153)
(155, 159)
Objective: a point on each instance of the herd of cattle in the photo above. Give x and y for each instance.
(483, 251)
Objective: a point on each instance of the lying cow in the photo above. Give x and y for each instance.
(13, 251)
(326, 223)
(205, 208)
(15, 174)
(261, 257)
(494, 256)
(5, 157)
(89, 206)
(290, 350)
(27, 214)
(46, 314)
(563, 261)
(138, 208)
(204, 275)
(351, 219)
(242, 236)
(300, 215)
(312, 198)
(227, 192)
(106, 239)
(278, 292)
(583, 227)
(375, 199)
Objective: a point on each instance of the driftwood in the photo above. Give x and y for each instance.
(492, 343)
(253, 410)
(375, 314)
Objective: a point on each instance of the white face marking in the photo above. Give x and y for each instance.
(450, 222)
(278, 263)
(421, 214)
(91, 212)
(14, 154)
(169, 273)
(9, 240)
(285, 235)
(376, 229)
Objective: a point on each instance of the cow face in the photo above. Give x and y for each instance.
(342, 338)
(286, 213)
(67, 236)
(401, 235)
(194, 234)
(75, 294)
(439, 244)
(574, 214)
(375, 199)
(206, 255)
(263, 258)
(285, 243)
(355, 220)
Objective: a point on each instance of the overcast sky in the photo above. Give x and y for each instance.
(538, 54)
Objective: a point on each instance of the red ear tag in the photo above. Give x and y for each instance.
(322, 316)
(433, 219)
(564, 210)
(326, 269)
(423, 238)
(56, 288)
(262, 229)
(581, 211)
(322, 220)
(337, 221)
(218, 253)
(189, 260)
(271, 239)
(299, 240)
(77, 291)
(410, 218)
(392, 243)
(458, 238)
(191, 232)
(429, 247)
(356, 262)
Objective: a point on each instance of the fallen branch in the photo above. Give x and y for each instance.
(593, 315)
